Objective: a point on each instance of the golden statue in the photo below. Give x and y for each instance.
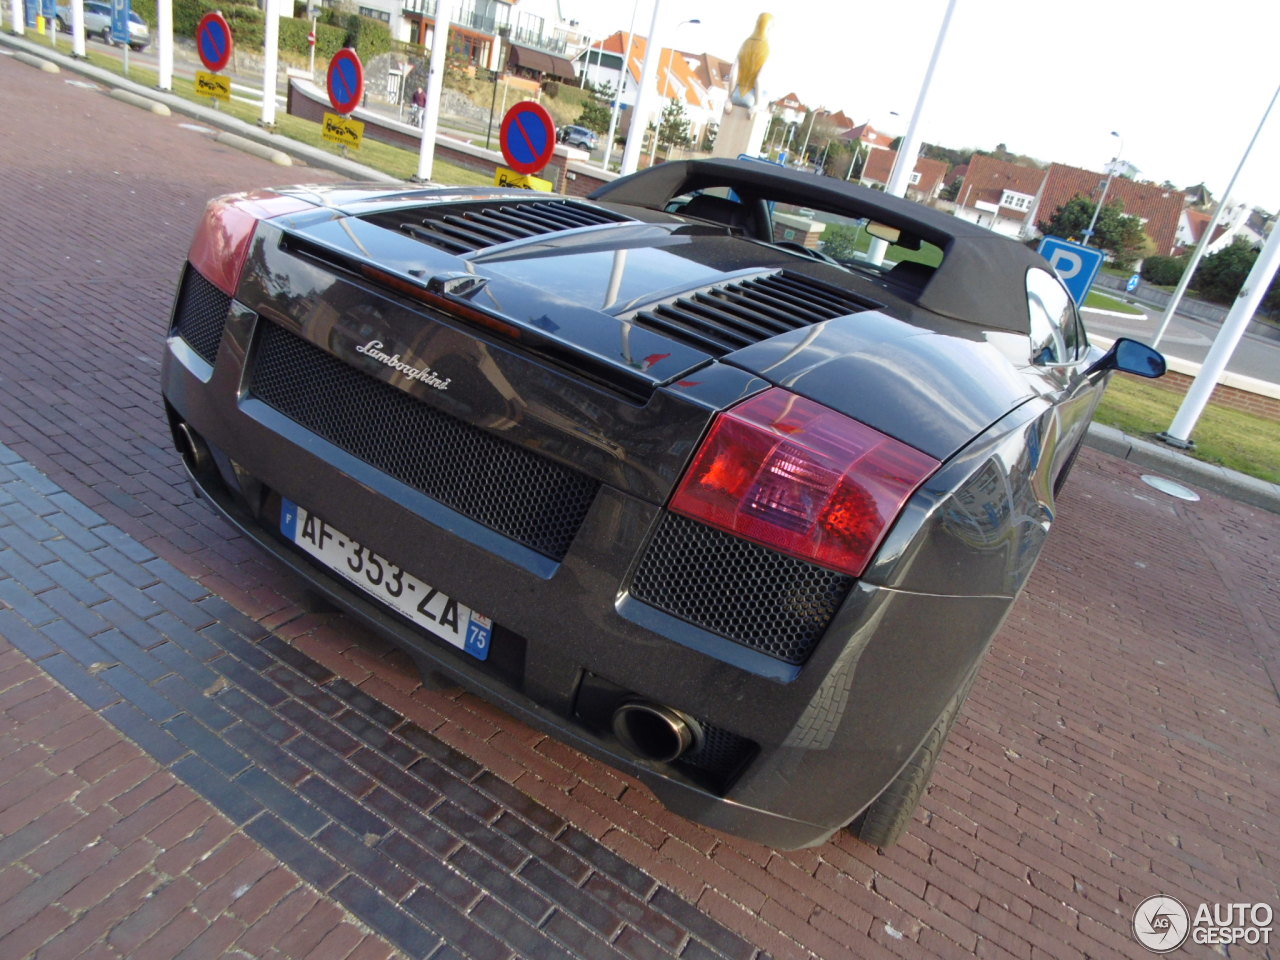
(744, 79)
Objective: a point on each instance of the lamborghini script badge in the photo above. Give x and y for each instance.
(428, 376)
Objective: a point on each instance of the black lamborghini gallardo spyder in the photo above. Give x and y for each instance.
(726, 474)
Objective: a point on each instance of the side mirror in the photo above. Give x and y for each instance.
(1130, 356)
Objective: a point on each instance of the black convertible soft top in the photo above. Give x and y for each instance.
(982, 277)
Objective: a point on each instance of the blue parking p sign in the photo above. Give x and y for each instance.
(1074, 263)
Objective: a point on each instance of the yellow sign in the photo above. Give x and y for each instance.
(213, 85)
(509, 178)
(343, 130)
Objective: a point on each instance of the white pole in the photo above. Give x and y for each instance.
(1185, 280)
(271, 62)
(435, 84)
(77, 28)
(623, 76)
(1251, 294)
(909, 149)
(164, 27)
(644, 97)
(1111, 172)
(17, 17)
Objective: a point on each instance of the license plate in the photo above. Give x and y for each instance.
(426, 606)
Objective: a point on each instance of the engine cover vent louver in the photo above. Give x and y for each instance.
(730, 316)
(468, 227)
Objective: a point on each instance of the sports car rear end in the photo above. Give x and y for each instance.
(725, 517)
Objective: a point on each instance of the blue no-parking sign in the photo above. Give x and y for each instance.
(213, 41)
(528, 137)
(346, 80)
(1074, 263)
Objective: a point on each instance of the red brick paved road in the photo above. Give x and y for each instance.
(1120, 742)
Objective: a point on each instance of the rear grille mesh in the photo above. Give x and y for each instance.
(468, 227)
(725, 318)
(748, 593)
(200, 314)
(720, 753)
(517, 493)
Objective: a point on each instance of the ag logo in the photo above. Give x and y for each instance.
(1161, 924)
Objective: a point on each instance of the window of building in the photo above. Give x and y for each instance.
(1016, 201)
(373, 14)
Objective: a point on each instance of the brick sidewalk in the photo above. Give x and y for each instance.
(1119, 742)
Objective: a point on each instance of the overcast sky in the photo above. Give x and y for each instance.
(1184, 84)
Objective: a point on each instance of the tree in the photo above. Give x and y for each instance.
(594, 116)
(840, 241)
(1115, 232)
(1221, 275)
(673, 130)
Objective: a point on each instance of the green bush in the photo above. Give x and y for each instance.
(293, 38)
(1164, 271)
(370, 37)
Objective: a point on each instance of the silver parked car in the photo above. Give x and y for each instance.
(97, 23)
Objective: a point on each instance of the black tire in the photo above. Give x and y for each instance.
(884, 822)
(62, 27)
(106, 36)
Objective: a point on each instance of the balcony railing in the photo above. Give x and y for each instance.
(528, 33)
(468, 17)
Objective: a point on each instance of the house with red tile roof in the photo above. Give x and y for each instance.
(999, 195)
(926, 178)
(1235, 220)
(868, 135)
(1158, 208)
(679, 76)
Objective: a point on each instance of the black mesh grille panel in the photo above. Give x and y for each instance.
(736, 589)
(201, 314)
(519, 494)
(467, 227)
(720, 753)
(728, 317)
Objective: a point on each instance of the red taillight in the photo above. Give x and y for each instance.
(221, 244)
(793, 475)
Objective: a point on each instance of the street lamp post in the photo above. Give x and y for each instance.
(623, 74)
(1111, 172)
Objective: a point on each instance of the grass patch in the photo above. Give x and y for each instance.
(1101, 301)
(1244, 442)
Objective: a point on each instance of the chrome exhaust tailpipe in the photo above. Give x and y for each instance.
(193, 450)
(655, 732)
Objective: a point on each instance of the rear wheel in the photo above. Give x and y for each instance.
(106, 36)
(884, 822)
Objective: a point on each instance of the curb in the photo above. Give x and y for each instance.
(1178, 466)
(41, 63)
(142, 103)
(278, 157)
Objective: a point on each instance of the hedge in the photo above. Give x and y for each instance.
(371, 37)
